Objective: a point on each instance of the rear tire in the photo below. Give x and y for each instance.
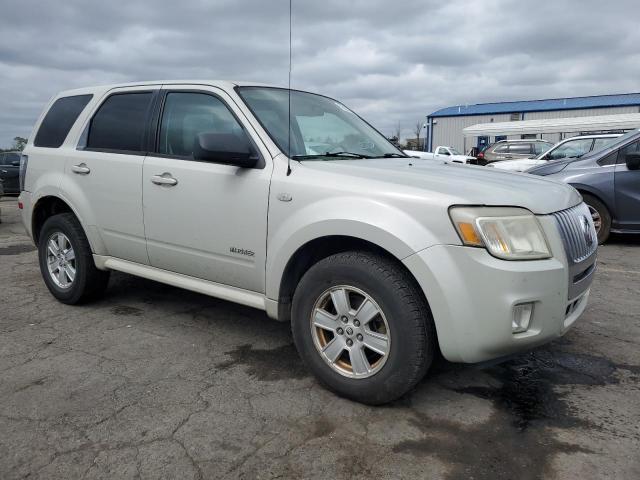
(401, 315)
(599, 212)
(66, 261)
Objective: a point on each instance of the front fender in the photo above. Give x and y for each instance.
(381, 224)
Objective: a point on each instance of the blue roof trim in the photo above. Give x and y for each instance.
(625, 99)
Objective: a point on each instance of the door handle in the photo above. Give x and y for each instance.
(81, 169)
(4, 171)
(165, 179)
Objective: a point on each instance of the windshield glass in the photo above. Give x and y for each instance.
(454, 151)
(320, 126)
(618, 142)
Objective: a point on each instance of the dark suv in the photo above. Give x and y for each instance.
(608, 179)
(9, 172)
(512, 150)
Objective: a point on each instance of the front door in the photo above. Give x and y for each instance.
(205, 220)
(627, 188)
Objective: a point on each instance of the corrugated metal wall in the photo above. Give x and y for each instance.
(448, 130)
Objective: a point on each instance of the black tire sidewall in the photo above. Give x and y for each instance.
(61, 223)
(392, 379)
(605, 216)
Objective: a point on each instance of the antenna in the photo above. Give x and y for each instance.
(289, 91)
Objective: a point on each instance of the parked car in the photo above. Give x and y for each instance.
(9, 168)
(608, 179)
(573, 147)
(512, 149)
(376, 260)
(447, 154)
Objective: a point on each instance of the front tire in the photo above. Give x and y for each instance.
(362, 326)
(66, 261)
(600, 215)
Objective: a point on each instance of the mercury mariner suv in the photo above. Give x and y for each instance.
(289, 202)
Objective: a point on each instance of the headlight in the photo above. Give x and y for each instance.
(506, 232)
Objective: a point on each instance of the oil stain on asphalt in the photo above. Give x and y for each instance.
(527, 403)
(267, 365)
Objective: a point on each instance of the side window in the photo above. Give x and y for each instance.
(501, 148)
(520, 148)
(120, 123)
(609, 159)
(3, 158)
(10, 159)
(186, 115)
(540, 147)
(59, 119)
(631, 148)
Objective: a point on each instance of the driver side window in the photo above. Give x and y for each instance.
(186, 115)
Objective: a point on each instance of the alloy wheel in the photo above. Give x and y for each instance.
(61, 260)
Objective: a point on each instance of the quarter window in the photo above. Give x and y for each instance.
(120, 123)
(186, 115)
(59, 119)
(501, 149)
(631, 148)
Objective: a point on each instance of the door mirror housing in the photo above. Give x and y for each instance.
(225, 148)
(633, 161)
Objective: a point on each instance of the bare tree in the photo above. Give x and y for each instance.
(418, 132)
(397, 132)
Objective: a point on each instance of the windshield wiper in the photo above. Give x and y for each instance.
(393, 155)
(331, 155)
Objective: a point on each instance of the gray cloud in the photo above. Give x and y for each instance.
(391, 61)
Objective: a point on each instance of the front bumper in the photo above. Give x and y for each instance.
(472, 297)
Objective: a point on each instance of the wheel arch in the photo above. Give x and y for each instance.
(317, 249)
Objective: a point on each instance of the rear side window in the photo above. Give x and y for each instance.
(501, 148)
(9, 159)
(59, 120)
(120, 123)
(520, 148)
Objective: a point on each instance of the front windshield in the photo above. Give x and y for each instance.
(617, 143)
(320, 126)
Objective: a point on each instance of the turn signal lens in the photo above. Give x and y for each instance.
(468, 234)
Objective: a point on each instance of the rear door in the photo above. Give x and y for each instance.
(107, 170)
(210, 220)
(9, 172)
(627, 190)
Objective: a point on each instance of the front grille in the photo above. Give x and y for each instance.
(577, 232)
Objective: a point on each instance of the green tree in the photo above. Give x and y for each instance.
(19, 143)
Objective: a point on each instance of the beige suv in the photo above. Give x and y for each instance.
(513, 150)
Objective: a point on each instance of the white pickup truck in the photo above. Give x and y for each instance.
(447, 154)
(376, 260)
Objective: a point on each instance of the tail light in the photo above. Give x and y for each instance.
(24, 160)
(480, 155)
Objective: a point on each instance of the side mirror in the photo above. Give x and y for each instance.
(633, 161)
(228, 149)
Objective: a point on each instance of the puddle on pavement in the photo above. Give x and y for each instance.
(17, 249)
(280, 363)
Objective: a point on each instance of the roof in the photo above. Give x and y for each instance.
(622, 121)
(214, 83)
(571, 103)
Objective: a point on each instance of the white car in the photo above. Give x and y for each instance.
(376, 260)
(446, 154)
(571, 147)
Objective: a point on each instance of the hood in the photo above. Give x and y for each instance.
(461, 184)
(519, 165)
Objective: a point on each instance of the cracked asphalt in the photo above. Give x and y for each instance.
(157, 382)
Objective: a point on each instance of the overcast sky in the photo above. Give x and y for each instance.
(391, 61)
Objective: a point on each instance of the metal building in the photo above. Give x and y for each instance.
(445, 126)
